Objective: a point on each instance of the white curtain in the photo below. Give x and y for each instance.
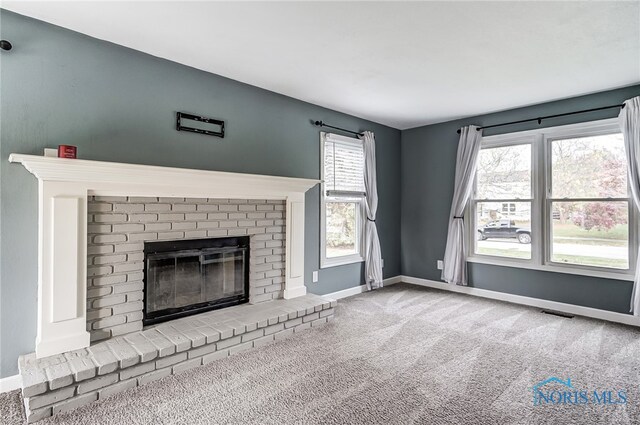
(455, 254)
(630, 125)
(373, 254)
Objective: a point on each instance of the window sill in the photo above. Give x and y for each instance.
(627, 276)
(325, 264)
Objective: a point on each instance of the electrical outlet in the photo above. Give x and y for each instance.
(440, 264)
(382, 262)
(315, 277)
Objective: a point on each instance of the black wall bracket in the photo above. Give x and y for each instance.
(216, 128)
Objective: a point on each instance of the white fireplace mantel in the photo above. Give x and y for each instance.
(64, 186)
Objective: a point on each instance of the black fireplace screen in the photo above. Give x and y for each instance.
(191, 276)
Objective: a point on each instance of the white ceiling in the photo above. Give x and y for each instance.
(403, 64)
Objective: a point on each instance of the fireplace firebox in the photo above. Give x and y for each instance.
(187, 277)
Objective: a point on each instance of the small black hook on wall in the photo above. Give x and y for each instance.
(5, 45)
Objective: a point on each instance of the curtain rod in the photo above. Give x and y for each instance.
(322, 124)
(539, 119)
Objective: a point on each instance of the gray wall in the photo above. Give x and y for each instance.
(116, 104)
(428, 166)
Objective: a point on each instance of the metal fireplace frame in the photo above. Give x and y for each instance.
(193, 247)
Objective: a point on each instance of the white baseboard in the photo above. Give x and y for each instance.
(360, 289)
(10, 383)
(594, 313)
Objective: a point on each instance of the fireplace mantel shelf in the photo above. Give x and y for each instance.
(160, 181)
(64, 188)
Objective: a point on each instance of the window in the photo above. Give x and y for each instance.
(342, 200)
(555, 199)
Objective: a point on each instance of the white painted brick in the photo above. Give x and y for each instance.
(100, 249)
(108, 259)
(128, 227)
(183, 207)
(142, 236)
(157, 207)
(217, 233)
(134, 316)
(184, 225)
(140, 369)
(170, 217)
(155, 227)
(252, 335)
(129, 247)
(135, 256)
(109, 218)
(37, 414)
(274, 328)
(184, 366)
(97, 383)
(196, 216)
(248, 207)
(262, 341)
(108, 322)
(99, 207)
(134, 276)
(127, 307)
(240, 347)
(108, 238)
(143, 218)
(198, 352)
(98, 314)
(126, 267)
(108, 301)
(128, 208)
(228, 207)
(208, 224)
(302, 327)
(117, 388)
(170, 235)
(98, 228)
(126, 328)
(255, 215)
(215, 356)
(225, 343)
(171, 360)
(128, 287)
(154, 376)
(99, 291)
(143, 199)
(49, 398)
(207, 207)
(284, 334)
(195, 234)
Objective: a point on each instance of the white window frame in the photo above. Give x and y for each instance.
(541, 214)
(359, 199)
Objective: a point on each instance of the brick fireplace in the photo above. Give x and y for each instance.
(119, 226)
(95, 219)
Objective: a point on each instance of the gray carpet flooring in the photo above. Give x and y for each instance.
(399, 355)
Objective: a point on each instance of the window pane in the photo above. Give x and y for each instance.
(591, 233)
(589, 167)
(504, 173)
(504, 232)
(344, 166)
(342, 229)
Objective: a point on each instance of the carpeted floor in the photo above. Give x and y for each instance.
(403, 354)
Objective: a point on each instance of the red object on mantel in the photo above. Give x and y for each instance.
(67, 151)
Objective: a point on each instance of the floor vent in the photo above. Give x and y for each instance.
(558, 313)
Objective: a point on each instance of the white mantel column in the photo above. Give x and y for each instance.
(62, 275)
(294, 285)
